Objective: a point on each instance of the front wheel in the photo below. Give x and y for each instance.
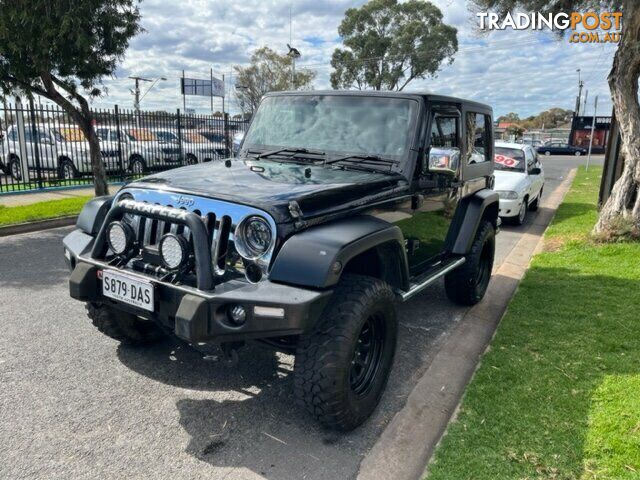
(547, 153)
(342, 366)
(467, 284)
(122, 326)
(578, 153)
(191, 159)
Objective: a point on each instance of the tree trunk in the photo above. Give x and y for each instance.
(83, 118)
(97, 164)
(624, 201)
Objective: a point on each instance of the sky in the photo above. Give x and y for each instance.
(521, 71)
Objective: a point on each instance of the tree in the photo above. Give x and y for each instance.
(267, 72)
(60, 48)
(509, 117)
(624, 202)
(389, 44)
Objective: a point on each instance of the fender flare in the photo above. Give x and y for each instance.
(466, 220)
(93, 214)
(308, 258)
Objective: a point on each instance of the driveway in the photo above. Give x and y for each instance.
(76, 404)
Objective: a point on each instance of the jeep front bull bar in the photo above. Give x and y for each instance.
(199, 234)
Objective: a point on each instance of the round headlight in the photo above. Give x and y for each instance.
(173, 251)
(253, 237)
(120, 237)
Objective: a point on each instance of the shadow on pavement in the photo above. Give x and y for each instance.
(245, 417)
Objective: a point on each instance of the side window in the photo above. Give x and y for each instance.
(477, 138)
(444, 132)
(103, 134)
(528, 154)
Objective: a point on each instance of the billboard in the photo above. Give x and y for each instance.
(202, 88)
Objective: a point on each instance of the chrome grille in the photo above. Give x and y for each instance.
(219, 217)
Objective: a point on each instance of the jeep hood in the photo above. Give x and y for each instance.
(271, 186)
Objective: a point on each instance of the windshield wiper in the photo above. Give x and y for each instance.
(294, 151)
(365, 158)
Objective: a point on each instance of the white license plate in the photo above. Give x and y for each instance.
(127, 290)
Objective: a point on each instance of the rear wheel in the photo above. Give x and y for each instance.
(342, 366)
(547, 153)
(122, 326)
(191, 159)
(467, 284)
(137, 165)
(67, 171)
(577, 153)
(15, 169)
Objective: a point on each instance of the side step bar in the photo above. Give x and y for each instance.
(418, 287)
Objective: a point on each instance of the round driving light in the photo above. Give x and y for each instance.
(174, 251)
(254, 237)
(120, 237)
(237, 314)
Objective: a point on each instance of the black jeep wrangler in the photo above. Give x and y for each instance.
(339, 205)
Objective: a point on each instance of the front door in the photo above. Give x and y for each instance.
(437, 195)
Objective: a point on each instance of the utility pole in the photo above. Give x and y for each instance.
(593, 127)
(579, 98)
(136, 92)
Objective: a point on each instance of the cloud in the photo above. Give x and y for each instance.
(520, 71)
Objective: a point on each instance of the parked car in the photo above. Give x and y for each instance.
(519, 180)
(561, 148)
(141, 148)
(305, 243)
(196, 148)
(56, 154)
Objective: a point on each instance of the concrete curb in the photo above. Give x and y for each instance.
(406, 445)
(36, 226)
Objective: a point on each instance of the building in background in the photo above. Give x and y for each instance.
(581, 133)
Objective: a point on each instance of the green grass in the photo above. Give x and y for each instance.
(42, 210)
(557, 395)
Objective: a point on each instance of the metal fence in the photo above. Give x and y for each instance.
(41, 147)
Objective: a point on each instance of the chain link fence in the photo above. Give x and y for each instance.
(41, 147)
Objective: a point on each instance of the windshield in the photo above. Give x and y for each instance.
(165, 136)
(335, 123)
(509, 159)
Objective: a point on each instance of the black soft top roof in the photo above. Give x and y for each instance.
(430, 97)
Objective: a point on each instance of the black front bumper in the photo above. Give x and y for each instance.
(198, 316)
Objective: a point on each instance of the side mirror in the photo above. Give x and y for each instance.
(535, 171)
(442, 160)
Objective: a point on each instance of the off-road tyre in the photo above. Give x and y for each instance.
(467, 284)
(326, 378)
(122, 326)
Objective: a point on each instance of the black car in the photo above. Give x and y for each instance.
(561, 148)
(339, 205)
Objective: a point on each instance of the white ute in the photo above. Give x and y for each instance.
(519, 180)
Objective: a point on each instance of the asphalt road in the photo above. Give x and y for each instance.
(76, 404)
